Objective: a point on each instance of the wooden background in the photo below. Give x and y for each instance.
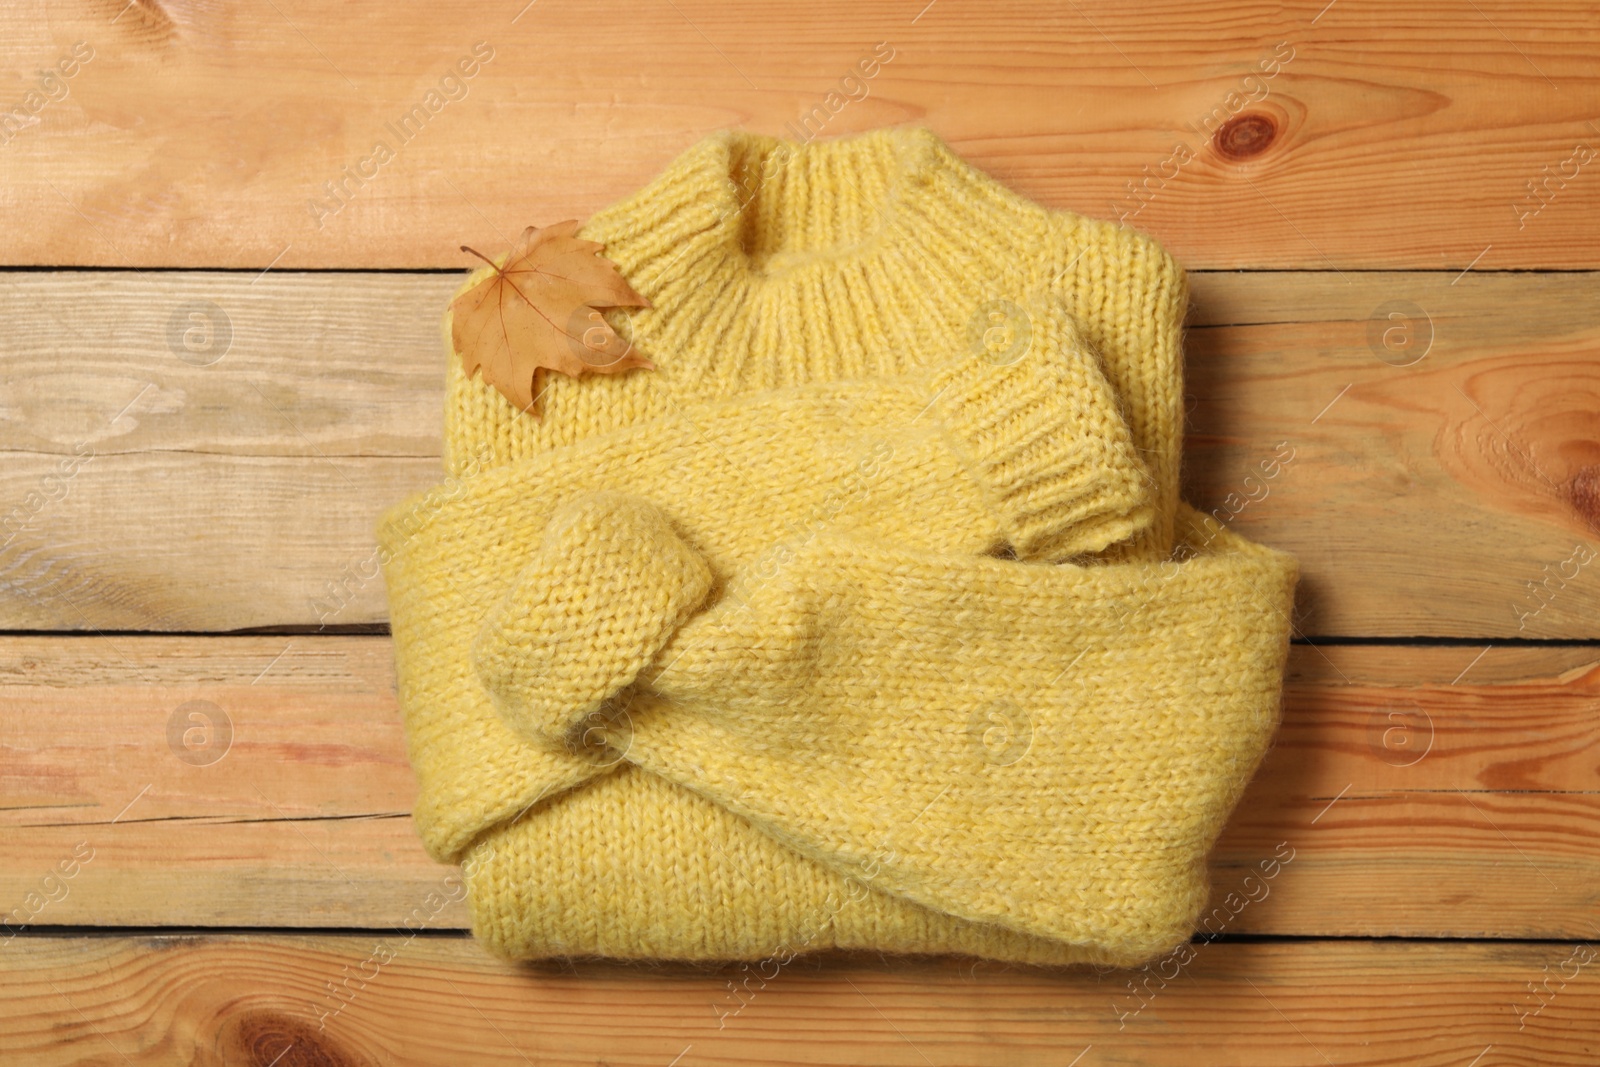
(1393, 252)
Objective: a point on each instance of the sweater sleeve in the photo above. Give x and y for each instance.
(1029, 410)
(1128, 296)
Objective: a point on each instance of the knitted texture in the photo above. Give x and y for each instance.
(580, 622)
(959, 731)
(714, 661)
(738, 476)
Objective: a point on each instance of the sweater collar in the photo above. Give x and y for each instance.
(783, 206)
(861, 256)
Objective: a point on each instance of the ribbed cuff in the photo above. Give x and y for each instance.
(1030, 410)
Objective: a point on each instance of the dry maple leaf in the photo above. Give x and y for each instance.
(539, 310)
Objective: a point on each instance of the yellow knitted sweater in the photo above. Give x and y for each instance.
(717, 661)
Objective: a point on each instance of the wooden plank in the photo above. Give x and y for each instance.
(306, 365)
(1343, 142)
(166, 541)
(1445, 497)
(1449, 434)
(371, 999)
(264, 777)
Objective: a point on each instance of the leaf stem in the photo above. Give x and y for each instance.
(483, 257)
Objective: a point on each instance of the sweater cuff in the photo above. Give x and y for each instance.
(1033, 415)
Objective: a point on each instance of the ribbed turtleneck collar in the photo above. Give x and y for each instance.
(784, 204)
(772, 262)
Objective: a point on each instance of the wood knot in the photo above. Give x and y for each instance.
(263, 1038)
(1583, 493)
(1245, 135)
(146, 20)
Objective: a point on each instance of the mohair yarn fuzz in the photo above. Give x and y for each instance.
(724, 661)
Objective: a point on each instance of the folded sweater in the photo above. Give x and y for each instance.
(803, 297)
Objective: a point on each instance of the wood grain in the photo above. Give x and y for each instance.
(200, 135)
(248, 781)
(1445, 496)
(271, 1001)
(1445, 434)
(202, 542)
